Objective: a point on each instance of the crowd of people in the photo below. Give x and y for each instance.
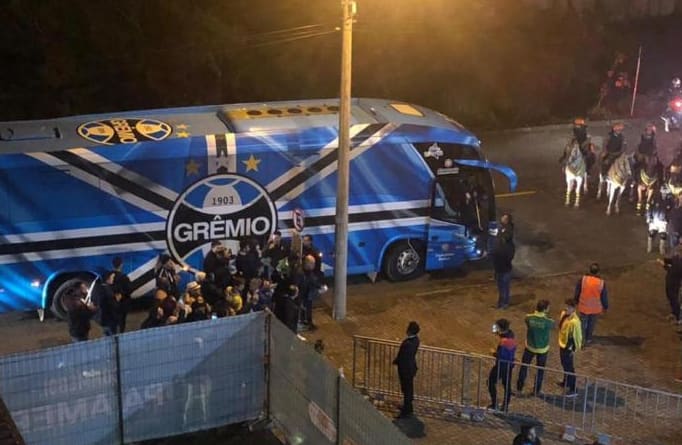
(276, 277)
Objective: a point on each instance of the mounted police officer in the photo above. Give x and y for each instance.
(647, 142)
(592, 298)
(647, 169)
(584, 141)
(613, 147)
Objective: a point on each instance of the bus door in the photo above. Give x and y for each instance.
(462, 213)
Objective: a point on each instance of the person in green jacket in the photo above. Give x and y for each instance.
(539, 325)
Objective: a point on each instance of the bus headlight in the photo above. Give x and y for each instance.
(35, 283)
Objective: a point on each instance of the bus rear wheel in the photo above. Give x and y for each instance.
(404, 261)
(64, 292)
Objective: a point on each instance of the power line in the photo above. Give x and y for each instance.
(291, 39)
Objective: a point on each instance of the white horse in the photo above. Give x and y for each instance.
(575, 171)
(617, 178)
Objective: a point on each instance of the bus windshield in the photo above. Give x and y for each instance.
(465, 198)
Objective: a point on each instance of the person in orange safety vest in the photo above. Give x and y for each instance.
(592, 298)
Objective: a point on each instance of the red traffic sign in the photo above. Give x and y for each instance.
(299, 220)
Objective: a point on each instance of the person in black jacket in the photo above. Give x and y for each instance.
(79, 314)
(407, 367)
(212, 259)
(275, 251)
(308, 248)
(502, 263)
(248, 259)
(673, 281)
(123, 287)
(110, 306)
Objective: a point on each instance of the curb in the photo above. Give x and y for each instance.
(591, 124)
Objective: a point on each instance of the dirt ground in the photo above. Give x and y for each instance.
(634, 343)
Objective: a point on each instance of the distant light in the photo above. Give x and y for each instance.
(479, 252)
(35, 283)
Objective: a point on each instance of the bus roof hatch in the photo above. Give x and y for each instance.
(28, 132)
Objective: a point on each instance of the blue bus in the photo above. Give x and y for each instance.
(77, 192)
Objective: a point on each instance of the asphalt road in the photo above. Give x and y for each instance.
(550, 237)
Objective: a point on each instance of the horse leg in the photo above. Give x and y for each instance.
(649, 241)
(639, 200)
(661, 244)
(569, 186)
(599, 186)
(609, 197)
(649, 197)
(578, 189)
(585, 183)
(619, 194)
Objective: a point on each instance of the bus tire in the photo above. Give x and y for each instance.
(58, 304)
(404, 261)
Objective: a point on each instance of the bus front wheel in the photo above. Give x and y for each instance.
(404, 261)
(64, 292)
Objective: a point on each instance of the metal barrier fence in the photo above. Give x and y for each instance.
(452, 383)
(189, 377)
(139, 385)
(313, 403)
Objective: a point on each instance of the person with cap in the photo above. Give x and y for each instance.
(673, 279)
(406, 361)
(593, 300)
(570, 341)
(210, 291)
(505, 355)
(539, 325)
(192, 292)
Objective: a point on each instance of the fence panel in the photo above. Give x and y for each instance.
(362, 424)
(192, 377)
(451, 381)
(65, 395)
(303, 389)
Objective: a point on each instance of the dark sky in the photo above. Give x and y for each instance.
(484, 62)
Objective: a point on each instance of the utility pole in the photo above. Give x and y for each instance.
(341, 249)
